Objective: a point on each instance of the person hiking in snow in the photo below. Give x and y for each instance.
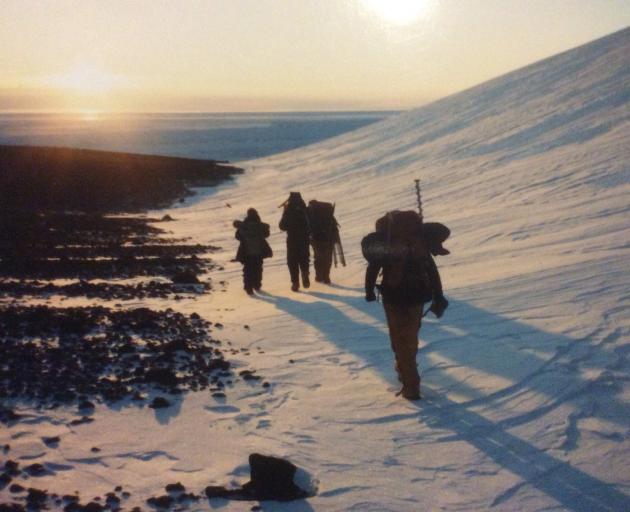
(296, 223)
(402, 249)
(253, 248)
(324, 236)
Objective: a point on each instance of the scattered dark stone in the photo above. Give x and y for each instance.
(51, 441)
(249, 375)
(266, 385)
(5, 479)
(291, 361)
(195, 316)
(114, 354)
(12, 468)
(118, 488)
(16, 488)
(166, 218)
(36, 498)
(11, 507)
(218, 325)
(161, 501)
(81, 421)
(86, 404)
(162, 376)
(95, 449)
(256, 508)
(218, 394)
(112, 501)
(185, 277)
(93, 506)
(246, 327)
(178, 487)
(6, 448)
(70, 498)
(7, 415)
(187, 497)
(159, 402)
(35, 470)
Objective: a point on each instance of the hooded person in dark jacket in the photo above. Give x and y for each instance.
(296, 224)
(252, 234)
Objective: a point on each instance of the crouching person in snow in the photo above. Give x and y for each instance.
(253, 248)
(401, 250)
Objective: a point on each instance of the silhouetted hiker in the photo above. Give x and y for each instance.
(402, 249)
(295, 222)
(253, 248)
(324, 236)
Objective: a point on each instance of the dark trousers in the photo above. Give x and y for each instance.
(298, 260)
(252, 272)
(404, 325)
(322, 259)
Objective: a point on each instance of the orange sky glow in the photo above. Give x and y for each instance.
(275, 55)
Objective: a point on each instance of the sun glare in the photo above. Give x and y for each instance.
(87, 79)
(399, 12)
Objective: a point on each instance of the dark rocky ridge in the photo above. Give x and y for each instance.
(45, 178)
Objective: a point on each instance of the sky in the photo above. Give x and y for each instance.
(276, 55)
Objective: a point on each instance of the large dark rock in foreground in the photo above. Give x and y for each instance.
(271, 479)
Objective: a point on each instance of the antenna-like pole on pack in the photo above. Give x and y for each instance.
(419, 198)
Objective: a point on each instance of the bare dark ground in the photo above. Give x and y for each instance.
(60, 218)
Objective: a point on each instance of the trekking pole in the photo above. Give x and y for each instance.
(339, 247)
(419, 199)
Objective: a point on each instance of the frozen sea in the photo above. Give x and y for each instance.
(219, 136)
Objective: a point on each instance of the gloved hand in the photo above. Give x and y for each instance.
(370, 296)
(439, 305)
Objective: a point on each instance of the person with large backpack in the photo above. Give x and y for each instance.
(402, 248)
(296, 224)
(253, 248)
(324, 236)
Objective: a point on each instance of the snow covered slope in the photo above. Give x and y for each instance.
(526, 378)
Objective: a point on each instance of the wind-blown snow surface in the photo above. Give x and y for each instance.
(526, 377)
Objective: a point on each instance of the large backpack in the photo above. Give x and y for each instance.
(406, 251)
(376, 246)
(321, 216)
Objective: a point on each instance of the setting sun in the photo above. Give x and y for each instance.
(399, 12)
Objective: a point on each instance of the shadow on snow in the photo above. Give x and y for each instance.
(541, 367)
